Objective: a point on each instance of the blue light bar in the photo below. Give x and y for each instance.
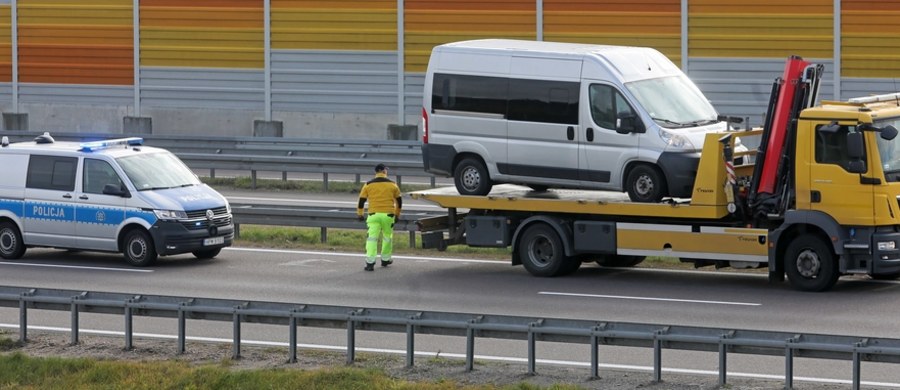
(98, 145)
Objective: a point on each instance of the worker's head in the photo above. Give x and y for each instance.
(380, 168)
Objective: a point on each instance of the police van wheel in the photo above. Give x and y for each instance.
(11, 245)
(542, 253)
(207, 254)
(810, 264)
(471, 177)
(645, 184)
(139, 250)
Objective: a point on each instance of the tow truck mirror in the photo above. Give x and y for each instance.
(888, 132)
(628, 122)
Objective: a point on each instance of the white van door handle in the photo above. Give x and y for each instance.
(589, 134)
(67, 196)
(83, 197)
(570, 133)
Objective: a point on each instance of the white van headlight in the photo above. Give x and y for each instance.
(675, 140)
(170, 214)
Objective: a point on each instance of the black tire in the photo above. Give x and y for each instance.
(893, 276)
(138, 248)
(645, 184)
(538, 187)
(11, 245)
(621, 261)
(471, 177)
(810, 264)
(542, 253)
(207, 253)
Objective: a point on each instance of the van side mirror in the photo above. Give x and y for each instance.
(628, 122)
(855, 153)
(112, 189)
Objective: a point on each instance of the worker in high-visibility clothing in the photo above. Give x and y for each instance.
(385, 204)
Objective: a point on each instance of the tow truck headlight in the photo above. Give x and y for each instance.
(170, 214)
(675, 140)
(886, 245)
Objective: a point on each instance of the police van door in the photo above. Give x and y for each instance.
(99, 215)
(50, 201)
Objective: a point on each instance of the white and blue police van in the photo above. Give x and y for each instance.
(112, 196)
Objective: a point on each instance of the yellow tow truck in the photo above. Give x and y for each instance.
(818, 199)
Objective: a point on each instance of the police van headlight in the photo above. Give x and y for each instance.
(170, 214)
(675, 140)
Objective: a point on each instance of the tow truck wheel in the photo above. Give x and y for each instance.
(471, 177)
(207, 254)
(11, 245)
(810, 264)
(619, 261)
(542, 253)
(645, 184)
(138, 248)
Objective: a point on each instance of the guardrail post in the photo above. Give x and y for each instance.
(351, 336)
(252, 180)
(433, 182)
(23, 316)
(325, 181)
(283, 175)
(292, 339)
(75, 317)
(857, 363)
(789, 362)
(723, 357)
(412, 239)
(399, 180)
(128, 326)
(236, 344)
(532, 349)
(595, 351)
(212, 173)
(411, 339)
(470, 343)
(657, 354)
(182, 323)
(323, 235)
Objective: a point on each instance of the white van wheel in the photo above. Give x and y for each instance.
(138, 248)
(11, 245)
(471, 177)
(645, 184)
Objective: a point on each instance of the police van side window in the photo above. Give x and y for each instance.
(474, 94)
(97, 174)
(543, 101)
(51, 173)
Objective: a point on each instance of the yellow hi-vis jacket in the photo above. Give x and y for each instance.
(382, 194)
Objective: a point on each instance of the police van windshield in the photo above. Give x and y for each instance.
(673, 102)
(156, 171)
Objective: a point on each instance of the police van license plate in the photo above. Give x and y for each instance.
(213, 241)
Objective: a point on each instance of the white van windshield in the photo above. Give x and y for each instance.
(673, 102)
(156, 171)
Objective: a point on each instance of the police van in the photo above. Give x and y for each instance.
(113, 196)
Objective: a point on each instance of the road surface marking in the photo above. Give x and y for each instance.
(77, 267)
(648, 298)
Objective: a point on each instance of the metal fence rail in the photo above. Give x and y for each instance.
(275, 154)
(468, 325)
(320, 217)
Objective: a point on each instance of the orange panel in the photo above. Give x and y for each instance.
(200, 17)
(82, 55)
(331, 4)
(870, 5)
(497, 5)
(204, 3)
(75, 74)
(673, 6)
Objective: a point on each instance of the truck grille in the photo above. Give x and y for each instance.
(197, 219)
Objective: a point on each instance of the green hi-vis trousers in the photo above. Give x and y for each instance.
(380, 224)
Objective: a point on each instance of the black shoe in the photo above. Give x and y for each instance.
(386, 263)
(370, 267)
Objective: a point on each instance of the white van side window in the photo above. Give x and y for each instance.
(476, 94)
(97, 174)
(51, 173)
(607, 105)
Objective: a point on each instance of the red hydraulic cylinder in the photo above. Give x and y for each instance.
(793, 74)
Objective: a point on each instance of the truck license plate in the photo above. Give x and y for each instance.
(213, 241)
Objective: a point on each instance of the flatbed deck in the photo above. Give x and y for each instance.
(510, 197)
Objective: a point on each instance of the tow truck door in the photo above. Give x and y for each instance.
(846, 196)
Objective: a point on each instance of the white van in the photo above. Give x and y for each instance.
(547, 114)
(112, 196)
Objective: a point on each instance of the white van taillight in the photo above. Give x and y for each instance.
(424, 126)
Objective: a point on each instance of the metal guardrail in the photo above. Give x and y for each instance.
(275, 154)
(321, 217)
(471, 326)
